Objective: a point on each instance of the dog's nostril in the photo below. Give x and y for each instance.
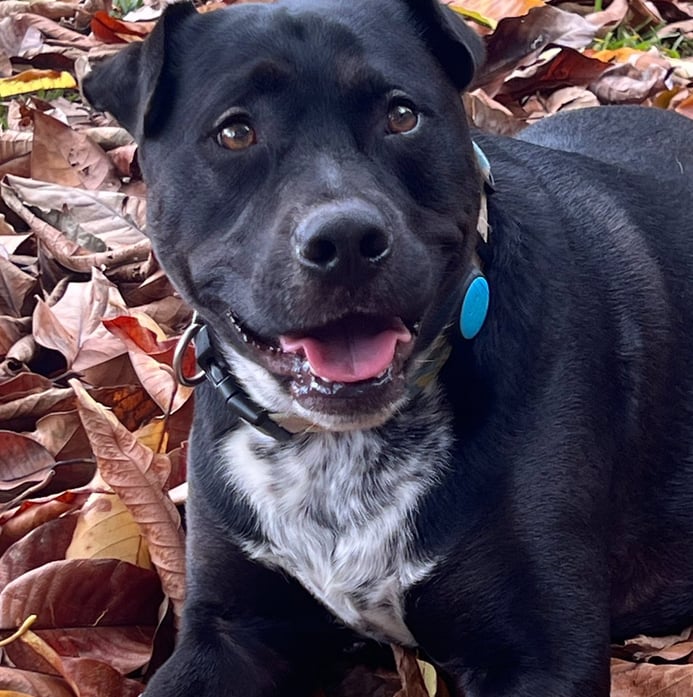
(320, 251)
(374, 245)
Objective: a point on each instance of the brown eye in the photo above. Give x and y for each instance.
(401, 119)
(236, 135)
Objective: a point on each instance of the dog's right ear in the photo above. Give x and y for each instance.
(458, 48)
(129, 85)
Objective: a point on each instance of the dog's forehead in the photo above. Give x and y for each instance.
(326, 40)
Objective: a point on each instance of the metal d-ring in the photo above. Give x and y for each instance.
(179, 354)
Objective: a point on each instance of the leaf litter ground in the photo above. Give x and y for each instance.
(93, 427)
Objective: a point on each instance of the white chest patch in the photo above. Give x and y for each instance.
(335, 511)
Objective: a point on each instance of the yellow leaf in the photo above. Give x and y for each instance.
(154, 435)
(430, 677)
(106, 530)
(477, 17)
(34, 80)
(12, 693)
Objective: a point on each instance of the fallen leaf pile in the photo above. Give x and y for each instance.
(93, 425)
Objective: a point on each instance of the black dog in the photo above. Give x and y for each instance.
(508, 495)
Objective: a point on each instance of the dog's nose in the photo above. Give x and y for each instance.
(345, 242)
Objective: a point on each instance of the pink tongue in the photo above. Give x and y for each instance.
(350, 351)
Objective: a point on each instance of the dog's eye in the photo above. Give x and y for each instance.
(401, 118)
(236, 135)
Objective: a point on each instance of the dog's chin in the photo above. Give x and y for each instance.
(281, 378)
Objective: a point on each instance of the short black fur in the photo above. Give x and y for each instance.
(559, 518)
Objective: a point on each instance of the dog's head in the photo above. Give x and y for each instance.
(313, 191)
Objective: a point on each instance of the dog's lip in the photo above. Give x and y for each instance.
(307, 356)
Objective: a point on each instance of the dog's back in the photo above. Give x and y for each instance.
(649, 142)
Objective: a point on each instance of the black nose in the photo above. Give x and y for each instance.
(344, 241)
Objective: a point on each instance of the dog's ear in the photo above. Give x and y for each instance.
(457, 47)
(129, 85)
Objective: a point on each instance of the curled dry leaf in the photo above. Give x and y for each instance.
(74, 327)
(11, 330)
(627, 84)
(23, 462)
(138, 476)
(15, 288)
(116, 31)
(519, 40)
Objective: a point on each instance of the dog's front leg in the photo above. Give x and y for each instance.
(504, 625)
(247, 630)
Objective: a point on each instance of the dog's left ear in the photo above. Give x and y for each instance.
(131, 85)
(457, 47)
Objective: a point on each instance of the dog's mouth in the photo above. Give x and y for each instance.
(348, 357)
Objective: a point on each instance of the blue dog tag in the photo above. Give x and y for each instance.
(474, 306)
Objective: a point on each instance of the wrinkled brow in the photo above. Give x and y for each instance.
(269, 76)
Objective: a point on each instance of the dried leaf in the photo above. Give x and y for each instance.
(114, 218)
(73, 326)
(35, 80)
(43, 544)
(63, 156)
(15, 287)
(22, 461)
(648, 680)
(34, 684)
(137, 475)
(114, 31)
(107, 530)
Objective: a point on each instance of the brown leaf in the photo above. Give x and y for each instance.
(413, 684)
(522, 39)
(137, 475)
(88, 677)
(41, 545)
(15, 287)
(48, 27)
(21, 414)
(23, 461)
(73, 326)
(83, 593)
(14, 144)
(114, 31)
(566, 68)
(648, 680)
(33, 684)
(79, 599)
(64, 156)
(11, 330)
(490, 115)
(106, 216)
(61, 433)
(627, 84)
(21, 521)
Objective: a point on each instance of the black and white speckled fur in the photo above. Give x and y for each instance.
(534, 502)
(336, 510)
